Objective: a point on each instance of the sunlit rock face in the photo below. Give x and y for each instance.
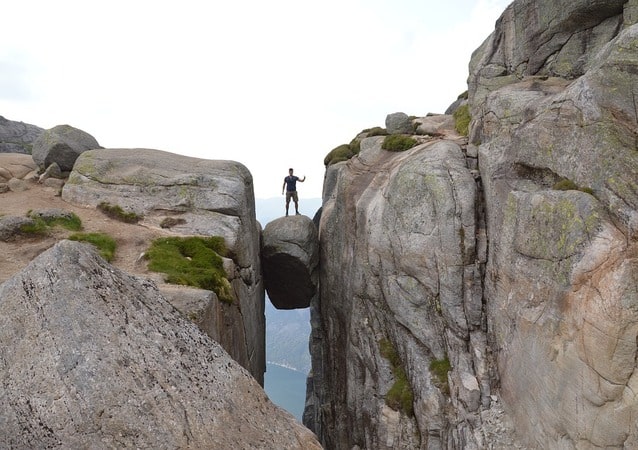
(91, 357)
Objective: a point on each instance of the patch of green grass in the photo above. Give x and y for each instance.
(71, 222)
(105, 244)
(400, 396)
(42, 225)
(192, 261)
(439, 368)
(398, 143)
(462, 119)
(38, 227)
(116, 212)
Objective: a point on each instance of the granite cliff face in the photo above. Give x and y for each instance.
(562, 270)
(402, 255)
(481, 293)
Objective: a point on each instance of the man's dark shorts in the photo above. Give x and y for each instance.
(292, 194)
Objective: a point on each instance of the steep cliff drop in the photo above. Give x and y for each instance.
(470, 288)
(399, 344)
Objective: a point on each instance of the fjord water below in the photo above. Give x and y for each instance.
(286, 388)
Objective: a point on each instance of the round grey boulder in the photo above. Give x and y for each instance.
(62, 144)
(398, 123)
(290, 257)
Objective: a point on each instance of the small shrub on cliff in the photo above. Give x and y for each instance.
(400, 396)
(342, 153)
(462, 119)
(192, 261)
(105, 244)
(116, 212)
(398, 143)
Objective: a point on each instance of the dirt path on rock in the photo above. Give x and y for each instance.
(132, 239)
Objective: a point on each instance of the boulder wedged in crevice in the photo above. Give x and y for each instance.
(290, 257)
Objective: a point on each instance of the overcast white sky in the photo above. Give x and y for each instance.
(271, 84)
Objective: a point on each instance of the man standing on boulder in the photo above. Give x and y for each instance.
(290, 185)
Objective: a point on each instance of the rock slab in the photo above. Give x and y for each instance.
(91, 357)
(211, 198)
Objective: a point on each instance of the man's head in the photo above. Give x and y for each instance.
(290, 171)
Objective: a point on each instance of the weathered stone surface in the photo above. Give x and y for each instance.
(62, 144)
(10, 226)
(434, 124)
(52, 171)
(221, 321)
(399, 264)
(290, 256)
(51, 214)
(455, 105)
(14, 165)
(17, 185)
(398, 123)
(561, 276)
(211, 197)
(17, 137)
(99, 359)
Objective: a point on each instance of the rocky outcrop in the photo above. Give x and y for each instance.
(401, 310)
(62, 144)
(555, 122)
(464, 287)
(210, 198)
(17, 137)
(100, 359)
(433, 124)
(290, 256)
